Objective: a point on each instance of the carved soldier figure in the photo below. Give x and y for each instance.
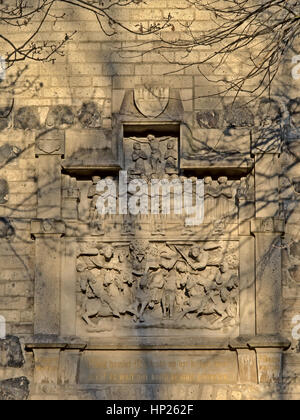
(142, 298)
(97, 301)
(210, 198)
(168, 258)
(205, 298)
(156, 284)
(245, 192)
(197, 298)
(110, 267)
(229, 298)
(197, 258)
(224, 188)
(138, 250)
(174, 280)
(169, 295)
(171, 158)
(94, 215)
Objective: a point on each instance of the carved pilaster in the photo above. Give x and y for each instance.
(267, 185)
(49, 149)
(268, 232)
(47, 234)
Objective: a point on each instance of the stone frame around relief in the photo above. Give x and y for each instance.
(159, 327)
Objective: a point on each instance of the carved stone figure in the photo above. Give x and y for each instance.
(171, 157)
(245, 191)
(156, 156)
(139, 156)
(128, 226)
(70, 197)
(138, 250)
(95, 219)
(142, 298)
(103, 291)
(197, 258)
(175, 279)
(213, 294)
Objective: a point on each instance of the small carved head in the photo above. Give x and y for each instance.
(181, 267)
(170, 145)
(223, 180)
(195, 252)
(108, 252)
(208, 180)
(96, 179)
(267, 225)
(137, 146)
(224, 267)
(150, 137)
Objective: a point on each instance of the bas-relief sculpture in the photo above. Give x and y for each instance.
(141, 278)
(147, 276)
(159, 285)
(151, 157)
(151, 278)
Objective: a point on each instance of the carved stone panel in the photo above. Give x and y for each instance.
(151, 156)
(150, 286)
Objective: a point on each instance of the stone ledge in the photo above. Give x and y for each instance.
(232, 166)
(169, 343)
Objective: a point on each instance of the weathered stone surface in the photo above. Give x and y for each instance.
(238, 115)
(60, 115)
(90, 115)
(4, 191)
(27, 118)
(6, 229)
(14, 389)
(191, 301)
(11, 354)
(209, 119)
(8, 153)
